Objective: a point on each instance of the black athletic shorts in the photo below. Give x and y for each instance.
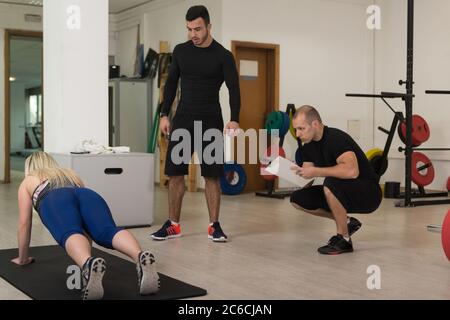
(355, 195)
(186, 121)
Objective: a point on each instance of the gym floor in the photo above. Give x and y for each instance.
(272, 250)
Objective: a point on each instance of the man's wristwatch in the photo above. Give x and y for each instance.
(162, 115)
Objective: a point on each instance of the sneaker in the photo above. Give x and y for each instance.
(92, 275)
(167, 231)
(337, 245)
(148, 278)
(215, 233)
(353, 225)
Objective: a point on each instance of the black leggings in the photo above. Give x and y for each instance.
(355, 195)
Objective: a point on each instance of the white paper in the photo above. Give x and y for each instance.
(281, 167)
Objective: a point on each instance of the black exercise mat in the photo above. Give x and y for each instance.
(46, 279)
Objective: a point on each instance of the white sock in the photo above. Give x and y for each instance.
(174, 223)
(348, 220)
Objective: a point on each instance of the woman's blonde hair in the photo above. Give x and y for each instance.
(42, 165)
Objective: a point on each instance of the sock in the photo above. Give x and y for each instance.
(348, 220)
(174, 223)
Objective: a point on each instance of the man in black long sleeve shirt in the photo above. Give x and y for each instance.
(203, 65)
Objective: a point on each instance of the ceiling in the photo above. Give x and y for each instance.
(115, 6)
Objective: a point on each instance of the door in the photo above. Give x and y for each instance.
(23, 99)
(257, 67)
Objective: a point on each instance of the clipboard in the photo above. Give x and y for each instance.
(281, 167)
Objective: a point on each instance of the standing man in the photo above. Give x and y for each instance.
(203, 65)
(350, 186)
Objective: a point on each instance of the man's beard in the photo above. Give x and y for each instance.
(202, 40)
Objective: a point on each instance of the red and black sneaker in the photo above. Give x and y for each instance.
(167, 231)
(215, 233)
(337, 245)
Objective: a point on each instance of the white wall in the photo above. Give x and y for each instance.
(431, 69)
(18, 109)
(75, 75)
(326, 51)
(11, 17)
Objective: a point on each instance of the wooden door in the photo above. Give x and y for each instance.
(256, 76)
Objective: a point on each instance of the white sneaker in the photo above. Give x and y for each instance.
(148, 278)
(92, 276)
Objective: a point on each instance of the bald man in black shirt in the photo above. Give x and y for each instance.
(350, 186)
(203, 65)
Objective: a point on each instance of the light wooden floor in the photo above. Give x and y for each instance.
(272, 253)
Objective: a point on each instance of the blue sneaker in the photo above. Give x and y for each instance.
(215, 233)
(167, 231)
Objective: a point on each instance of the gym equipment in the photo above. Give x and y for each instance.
(420, 131)
(48, 276)
(274, 121)
(391, 190)
(290, 110)
(446, 235)
(408, 119)
(155, 131)
(378, 158)
(444, 230)
(422, 170)
(286, 124)
(268, 157)
(378, 162)
(278, 120)
(109, 173)
(282, 121)
(419, 163)
(234, 179)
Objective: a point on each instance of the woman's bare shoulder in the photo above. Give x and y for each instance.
(30, 183)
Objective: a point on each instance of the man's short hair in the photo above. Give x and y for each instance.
(196, 12)
(310, 113)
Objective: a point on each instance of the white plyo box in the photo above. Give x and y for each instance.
(125, 181)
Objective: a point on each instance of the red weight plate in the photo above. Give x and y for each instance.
(446, 235)
(420, 130)
(424, 177)
(269, 156)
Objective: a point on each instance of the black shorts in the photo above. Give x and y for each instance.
(186, 121)
(355, 195)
